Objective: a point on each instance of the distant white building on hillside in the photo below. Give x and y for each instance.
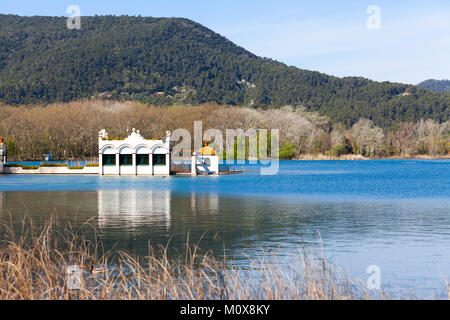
(133, 155)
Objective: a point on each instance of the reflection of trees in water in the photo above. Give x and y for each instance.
(68, 206)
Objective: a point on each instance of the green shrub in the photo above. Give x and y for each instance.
(76, 168)
(443, 146)
(338, 150)
(92, 165)
(54, 165)
(12, 148)
(30, 167)
(13, 166)
(422, 147)
(287, 152)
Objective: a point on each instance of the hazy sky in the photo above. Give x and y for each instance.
(330, 36)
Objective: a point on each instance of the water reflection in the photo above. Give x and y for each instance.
(407, 238)
(133, 208)
(2, 203)
(133, 219)
(205, 203)
(127, 209)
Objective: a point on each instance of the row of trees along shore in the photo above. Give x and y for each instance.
(70, 130)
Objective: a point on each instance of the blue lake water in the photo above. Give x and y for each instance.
(391, 213)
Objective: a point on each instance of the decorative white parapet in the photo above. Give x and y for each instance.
(134, 155)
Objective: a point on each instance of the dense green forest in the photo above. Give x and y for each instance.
(165, 61)
(436, 85)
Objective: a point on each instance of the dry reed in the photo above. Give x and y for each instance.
(33, 265)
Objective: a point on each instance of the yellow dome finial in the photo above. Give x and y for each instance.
(207, 150)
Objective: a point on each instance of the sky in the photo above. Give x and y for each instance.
(397, 41)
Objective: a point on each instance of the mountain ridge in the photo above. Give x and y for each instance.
(436, 85)
(176, 60)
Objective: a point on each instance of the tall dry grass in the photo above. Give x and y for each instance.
(34, 262)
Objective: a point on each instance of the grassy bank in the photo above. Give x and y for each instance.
(34, 265)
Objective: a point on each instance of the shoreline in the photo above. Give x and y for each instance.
(306, 157)
(353, 157)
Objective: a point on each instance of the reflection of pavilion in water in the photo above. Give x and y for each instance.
(133, 208)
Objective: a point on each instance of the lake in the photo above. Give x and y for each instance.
(394, 214)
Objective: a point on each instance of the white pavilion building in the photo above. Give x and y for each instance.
(133, 155)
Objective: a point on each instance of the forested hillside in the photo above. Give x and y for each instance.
(436, 85)
(165, 61)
